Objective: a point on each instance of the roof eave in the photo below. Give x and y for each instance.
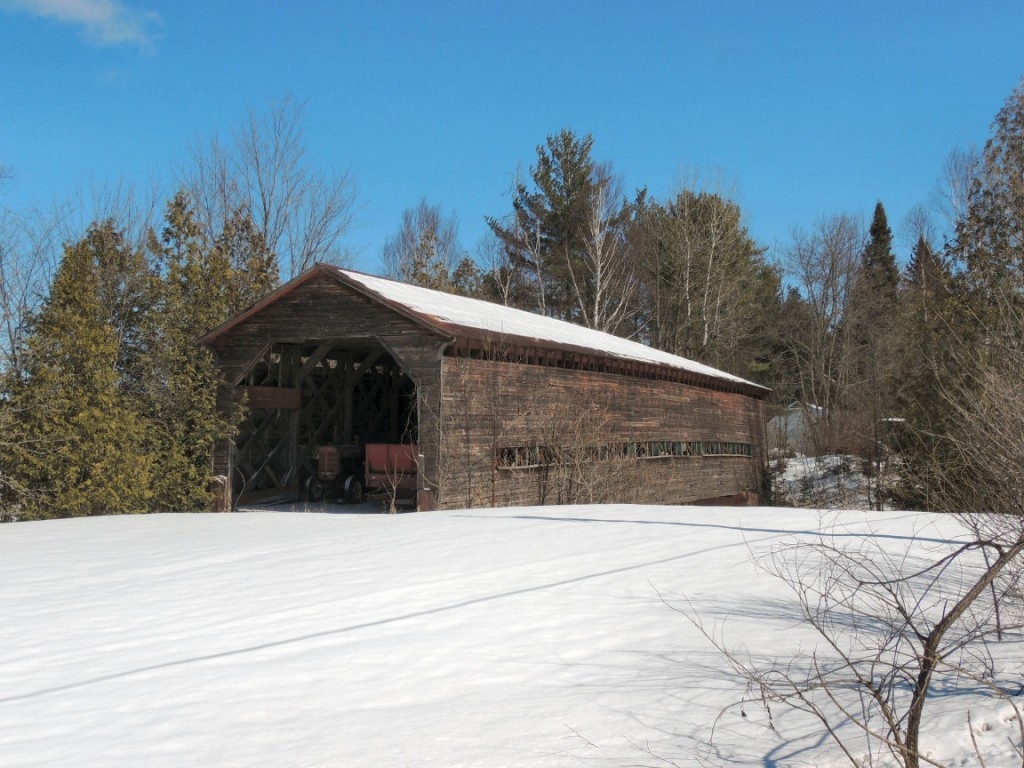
(463, 334)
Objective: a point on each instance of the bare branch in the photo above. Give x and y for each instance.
(264, 171)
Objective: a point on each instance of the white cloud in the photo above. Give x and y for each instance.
(103, 22)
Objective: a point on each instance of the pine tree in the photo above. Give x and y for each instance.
(565, 240)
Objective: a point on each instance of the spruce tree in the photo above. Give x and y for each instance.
(879, 273)
(873, 319)
(926, 277)
(923, 361)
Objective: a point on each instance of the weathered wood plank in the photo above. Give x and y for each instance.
(270, 398)
(488, 405)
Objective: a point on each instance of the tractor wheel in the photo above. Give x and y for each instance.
(353, 489)
(315, 489)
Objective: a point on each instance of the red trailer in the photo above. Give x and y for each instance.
(391, 470)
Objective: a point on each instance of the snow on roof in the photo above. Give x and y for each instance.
(443, 309)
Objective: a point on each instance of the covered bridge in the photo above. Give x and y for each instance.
(497, 406)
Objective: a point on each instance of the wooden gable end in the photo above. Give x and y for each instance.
(318, 307)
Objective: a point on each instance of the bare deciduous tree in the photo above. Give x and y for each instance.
(893, 627)
(823, 264)
(603, 280)
(425, 251)
(29, 253)
(498, 275)
(29, 245)
(264, 170)
(897, 625)
(959, 174)
(133, 207)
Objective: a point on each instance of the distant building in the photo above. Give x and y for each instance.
(504, 407)
(793, 429)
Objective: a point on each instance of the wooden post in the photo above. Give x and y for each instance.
(221, 489)
(348, 383)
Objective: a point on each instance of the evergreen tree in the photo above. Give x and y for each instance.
(565, 240)
(989, 243)
(197, 287)
(70, 399)
(879, 275)
(966, 318)
(926, 276)
(123, 275)
(241, 256)
(874, 321)
(985, 295)
(990, 239)
(708, 293)
(872, 313)
(923, 356)
(791, 344)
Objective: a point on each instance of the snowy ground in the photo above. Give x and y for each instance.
(508, 637)
(821, 482)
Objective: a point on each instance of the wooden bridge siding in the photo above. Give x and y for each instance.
(321, 308)
(489, 405)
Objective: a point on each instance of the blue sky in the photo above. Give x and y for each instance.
(803, 108)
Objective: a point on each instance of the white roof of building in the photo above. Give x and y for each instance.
(503, 322)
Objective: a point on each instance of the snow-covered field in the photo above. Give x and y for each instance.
(508, 637)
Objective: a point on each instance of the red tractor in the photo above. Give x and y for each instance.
(388, 471)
